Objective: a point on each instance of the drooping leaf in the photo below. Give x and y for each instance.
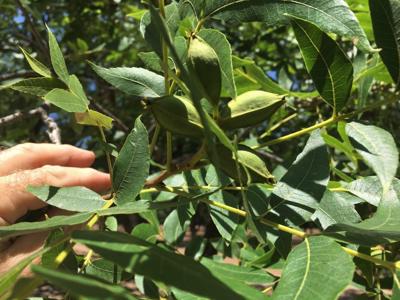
(377, 148)
(222, 48)
(332, 16)
(316, 269)
(133, 81)
(151, 261)
(36, 65)
(336, 208)
(329, 67)
(94, 118)
(57, 58)
(132, 165)
(37, 86)
(78, 199)
(300, 190)
(382, 228)
(80, 285)
(385, 16)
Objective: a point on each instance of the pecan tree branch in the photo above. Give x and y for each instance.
(53, 131)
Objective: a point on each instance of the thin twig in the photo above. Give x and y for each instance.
(53, 131)
(118, 122)
(35, 33)
(9, 76)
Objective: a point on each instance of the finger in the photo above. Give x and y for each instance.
(17, 201)
(31, 156)
(26, 245)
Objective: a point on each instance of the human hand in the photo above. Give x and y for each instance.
(39, 164)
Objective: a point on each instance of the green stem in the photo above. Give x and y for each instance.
(197, 156)
(330, 121)
(199, 25)
(154, 138)
(169, 151)
(180, 83)
(298, 133)
(277, 125)
(164, 53)
(302, 234)
(108, 156)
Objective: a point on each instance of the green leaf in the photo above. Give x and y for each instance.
(37, 86)
(57, 59)
(151, 261)
(382, 228)
(9, 279)
(250, 163)
(80, 285)
(367, 188)
(133, 81)
(257, 195)
(176, 223)
(66, 100)
(377, 148)
(36, 65)
(396, 286)
(328, 65)
(386, 25)
(332, 16)
(94, 118)
(78, 199)
(316, 269)
(146, 231)
(300, 190)
(336, 208)
(222, 48)
(23, 228)
(225, 221)
(152, 61)
(150, 32)
(132, 165)
(104, 270)
(229, 272)
(76, 88)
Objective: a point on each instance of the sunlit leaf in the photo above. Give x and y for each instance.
(316, 269)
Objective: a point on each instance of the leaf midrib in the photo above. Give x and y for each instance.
(307, 270)
(132, 80)
(216, 11)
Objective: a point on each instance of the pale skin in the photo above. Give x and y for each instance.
(39, 164)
